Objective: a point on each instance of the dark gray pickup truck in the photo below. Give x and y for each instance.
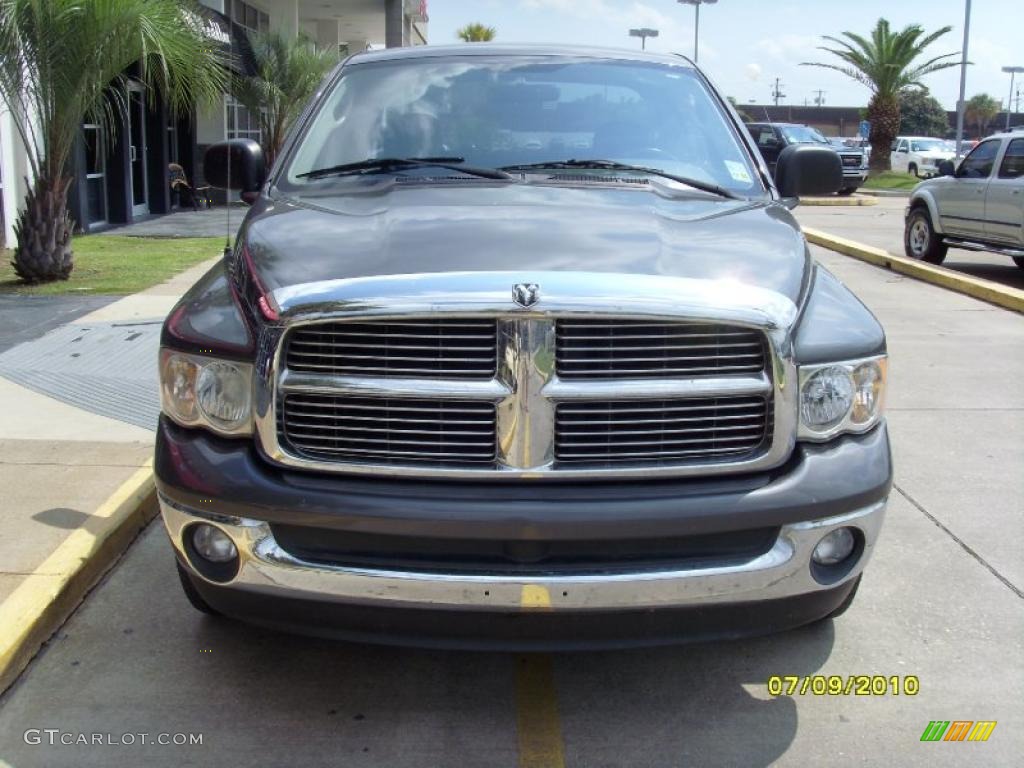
(521, 347)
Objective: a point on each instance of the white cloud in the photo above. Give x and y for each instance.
(790, 48)
(753, 71)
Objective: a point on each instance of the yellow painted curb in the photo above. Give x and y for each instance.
(986, 290)
(851, 200)
(41, 603)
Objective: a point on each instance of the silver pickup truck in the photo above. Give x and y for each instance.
(979, 205)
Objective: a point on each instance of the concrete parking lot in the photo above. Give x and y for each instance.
(942, 601)
(881, 226)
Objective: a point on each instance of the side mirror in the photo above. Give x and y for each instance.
(235, 164)
(946, 168)
(804, 169)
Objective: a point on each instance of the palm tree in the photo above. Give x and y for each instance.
(64, 60)
(886, 65)
(979, 111)
(476, 33)
(284, 72)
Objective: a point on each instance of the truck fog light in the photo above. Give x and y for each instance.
(834, 547)
(213, 544)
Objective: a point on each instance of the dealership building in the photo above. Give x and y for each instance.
(123, 177)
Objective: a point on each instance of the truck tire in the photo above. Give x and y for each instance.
(846, 191)
(1019, 261)
(193, 594)
(912, 169)
(920, 240)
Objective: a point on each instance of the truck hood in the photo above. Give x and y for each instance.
(403, 229)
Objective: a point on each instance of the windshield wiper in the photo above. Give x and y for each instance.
(386, 164)
(612, 165)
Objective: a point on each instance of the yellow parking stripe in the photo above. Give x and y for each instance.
(537, 721)
(540, 730)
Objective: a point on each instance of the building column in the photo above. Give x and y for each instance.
(284, 17)
(394, 23)
(328, 34)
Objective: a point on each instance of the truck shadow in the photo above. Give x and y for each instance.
(698, 704)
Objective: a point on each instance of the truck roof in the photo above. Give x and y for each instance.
(517, 49)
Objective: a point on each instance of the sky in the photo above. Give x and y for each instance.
(746, 44)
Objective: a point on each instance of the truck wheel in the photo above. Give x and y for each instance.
(912, 168)
(193, 594)
(847, 601)
(846, 191)
(920, 241)
(1019, 261)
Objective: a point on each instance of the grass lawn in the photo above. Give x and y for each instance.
(114, 264)
(891, 180)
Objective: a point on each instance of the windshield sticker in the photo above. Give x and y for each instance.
(737, 171)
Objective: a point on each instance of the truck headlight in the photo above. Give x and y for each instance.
(197, 391)
(841, 397)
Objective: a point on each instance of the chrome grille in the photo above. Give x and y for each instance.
(389, 430)
(621, 432)
(601, 349)
(450, 349)
(561, 395)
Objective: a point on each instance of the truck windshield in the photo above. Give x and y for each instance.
(928, 145)
(516, 110)
(803, 134)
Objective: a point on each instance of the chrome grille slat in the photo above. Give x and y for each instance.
(604, 434)
(389, 430)
(438, 349)
(600, 349)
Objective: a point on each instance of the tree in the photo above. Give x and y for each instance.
(739, 110)
(283, 74)
(476, 33)
(64, 60)
(921, 114)
(886, 64)
(979, 111)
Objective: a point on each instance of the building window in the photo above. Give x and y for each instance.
(239, 122)
(95, 173)
(243, 14)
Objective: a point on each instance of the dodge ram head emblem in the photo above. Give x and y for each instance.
(525, 294)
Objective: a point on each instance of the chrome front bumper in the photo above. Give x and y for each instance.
(783, 571)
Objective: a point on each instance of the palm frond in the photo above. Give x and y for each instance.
(60, 58)
(884, 60)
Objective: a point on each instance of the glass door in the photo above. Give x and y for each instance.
(137, 149)
(95, 174)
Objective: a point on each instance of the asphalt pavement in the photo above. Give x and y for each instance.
(941, 601)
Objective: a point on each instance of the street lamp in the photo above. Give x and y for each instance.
(696, 20)
(1009, 102)
(960, 103)
(643, 34)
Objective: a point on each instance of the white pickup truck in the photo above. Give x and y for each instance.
(979, 205)
(919, 155)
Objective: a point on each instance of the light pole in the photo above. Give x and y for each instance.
(696, 20)
(1009, 101)
(643, 34)
(963, 82)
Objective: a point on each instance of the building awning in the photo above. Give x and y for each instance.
(231, 38)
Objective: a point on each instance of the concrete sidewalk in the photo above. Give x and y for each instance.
(79, 408)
